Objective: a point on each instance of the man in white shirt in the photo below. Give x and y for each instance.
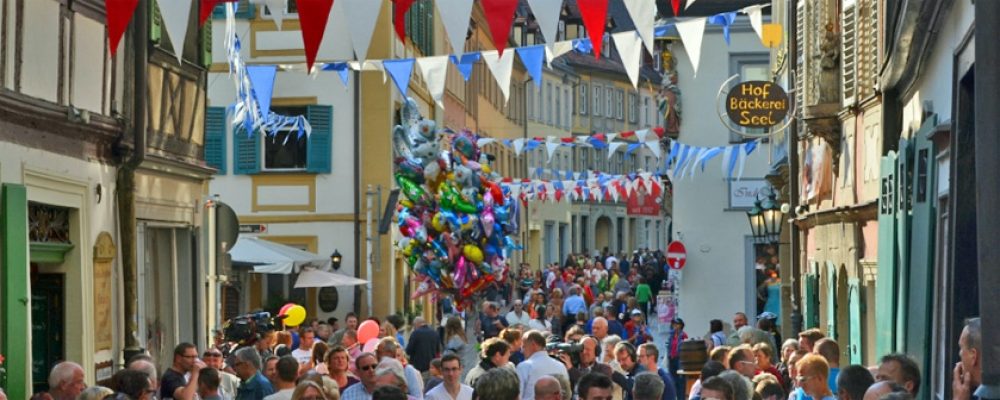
(517, 315)
(288, 371)
(304, 353)
(611, 261)
(452, 387)
(536, 364)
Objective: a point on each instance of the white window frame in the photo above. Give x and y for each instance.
(585, 96)
(596, 109)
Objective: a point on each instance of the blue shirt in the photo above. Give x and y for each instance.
(616, 328)
(254, 388)
(573, 305)
(669, 390)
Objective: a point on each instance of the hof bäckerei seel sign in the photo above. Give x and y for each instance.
(757, 104)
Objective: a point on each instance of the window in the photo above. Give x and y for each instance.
(848, 51)
(284, 150)
(531, 103)
(751, 67)
(619, 107)
(597, 101)
(606, 46)
(561, 35)
(559, 109)
(548, 103)
(420, 26)
(633, 108)
(609, 106)
(583, 99)
(567, 109)
(291, 9)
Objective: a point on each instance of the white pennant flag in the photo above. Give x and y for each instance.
(612, 147)
(434, 71)
(643, 13)
(654, 146)
(546, 12)
(755, 18)
(691, 32)
(688, 3)
(641, 134)
(455, 16)
(551, 147)
(518, 146)
(693, 165)
(500, 66)
(611, 137)
(276, 11)
(176, 14)
(630, 50)
(726, 154)
(484, 141)
(362, 15)
(553, 51)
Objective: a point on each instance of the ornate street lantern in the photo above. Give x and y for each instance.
(335, 259)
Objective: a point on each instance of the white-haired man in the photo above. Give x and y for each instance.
(66, 381)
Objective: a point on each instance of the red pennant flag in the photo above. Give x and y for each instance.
(399, 17)
(659, 131)
(313, 15)
(119, 14)
(676, 5)
(657, 189)
(559, 195)
(499, 15)
(206, 9)
(595, 17)
(567, 139)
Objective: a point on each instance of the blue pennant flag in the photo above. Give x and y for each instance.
(597, 143)
(674, 148)
(465, 63)
(558, 185)
(710, 154)
(507, 142)
(731, 162)
(662, 30)
(685, 150)
(750, 146)
(583, 45)
(538, 172)
(569, 175)
(400, 71)
(632, 147)
(725, 19)
(532, 57)
(262, 79)
(341, 69)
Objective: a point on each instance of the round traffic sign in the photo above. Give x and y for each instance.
(676, 255)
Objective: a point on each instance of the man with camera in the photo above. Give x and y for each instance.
(589, 349)
(536, 364)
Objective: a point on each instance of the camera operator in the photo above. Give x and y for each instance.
(536, 364)
(589, 352)
(625, 352)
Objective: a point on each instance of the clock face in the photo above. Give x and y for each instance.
(328, 299)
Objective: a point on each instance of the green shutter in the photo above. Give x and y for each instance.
(831, 300)
(15, 323)
(904, 184)
(246, 152)
(215, 138)
(810, 302)
(206, 45)
(922, 245)
(320, 140)
(885, 284)
(856, 349)
(155, 23)
(244, 10)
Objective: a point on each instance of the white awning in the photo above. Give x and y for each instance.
(274, 258)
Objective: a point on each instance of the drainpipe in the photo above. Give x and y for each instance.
(793, 185)
(125, 185)
(357, 190)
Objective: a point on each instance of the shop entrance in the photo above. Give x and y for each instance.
(47, 326)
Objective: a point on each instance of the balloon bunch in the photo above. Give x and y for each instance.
(455, 219)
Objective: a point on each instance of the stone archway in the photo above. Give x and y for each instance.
(603, 232)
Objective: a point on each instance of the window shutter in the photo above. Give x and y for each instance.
(810, 303)
(155, 23)
(206, 45)
(246, 152)
(849, 54)
(244, 10)
(596, 109)
(320, 141)
(215, 138)
(800, 38)
(584, 99)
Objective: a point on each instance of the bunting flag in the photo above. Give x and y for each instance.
(262, 81)
(205, 9)
(531, 57)
(119, 14)
(640, 135)
(400, 71)
(551, 148)
(554, 50)
(176, 14)
(342, 71)
(691, 32)
(754, 12)
(500, 66)
(399, 9)
(455, 17)
(643, 13)
(688, 4)
(464, 63)
(546, 13)
(725, 20)
(595, 17)
(313, 15)
(276, 11)
(613, 147)
(518, 146)
(362, 14)
(434, 70)
(676, 6)
(654, 146)
(499, 16)
(630, 50)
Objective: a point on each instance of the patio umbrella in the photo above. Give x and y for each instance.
(274, 258)
(311, 277)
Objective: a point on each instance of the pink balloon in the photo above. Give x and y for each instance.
(370, 345)
(367, 330)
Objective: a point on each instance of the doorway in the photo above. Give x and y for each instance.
(48, 307)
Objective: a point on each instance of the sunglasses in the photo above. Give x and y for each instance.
(368, 367)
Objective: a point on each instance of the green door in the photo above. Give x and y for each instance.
(811, 302)
(854, 299)
(904, 185)
(922, 245)
(46, 327)
(831, 300)
(885, 284)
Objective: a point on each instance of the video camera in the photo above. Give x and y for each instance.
(247, 329)
(573, 349)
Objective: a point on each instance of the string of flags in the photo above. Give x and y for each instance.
(588, 186)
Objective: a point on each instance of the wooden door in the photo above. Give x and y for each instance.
(923, 228)
(904, 206)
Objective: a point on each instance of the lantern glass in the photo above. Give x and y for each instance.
(756, 221)
(771, 214)
(335, 259)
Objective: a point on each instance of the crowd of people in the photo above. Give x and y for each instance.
(575, 330)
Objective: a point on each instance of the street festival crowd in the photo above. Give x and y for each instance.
(571, 330)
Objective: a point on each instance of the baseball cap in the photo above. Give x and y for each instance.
(678, 321)
(636, 312)
(767, 315)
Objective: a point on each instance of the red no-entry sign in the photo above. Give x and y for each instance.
(676, 255)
